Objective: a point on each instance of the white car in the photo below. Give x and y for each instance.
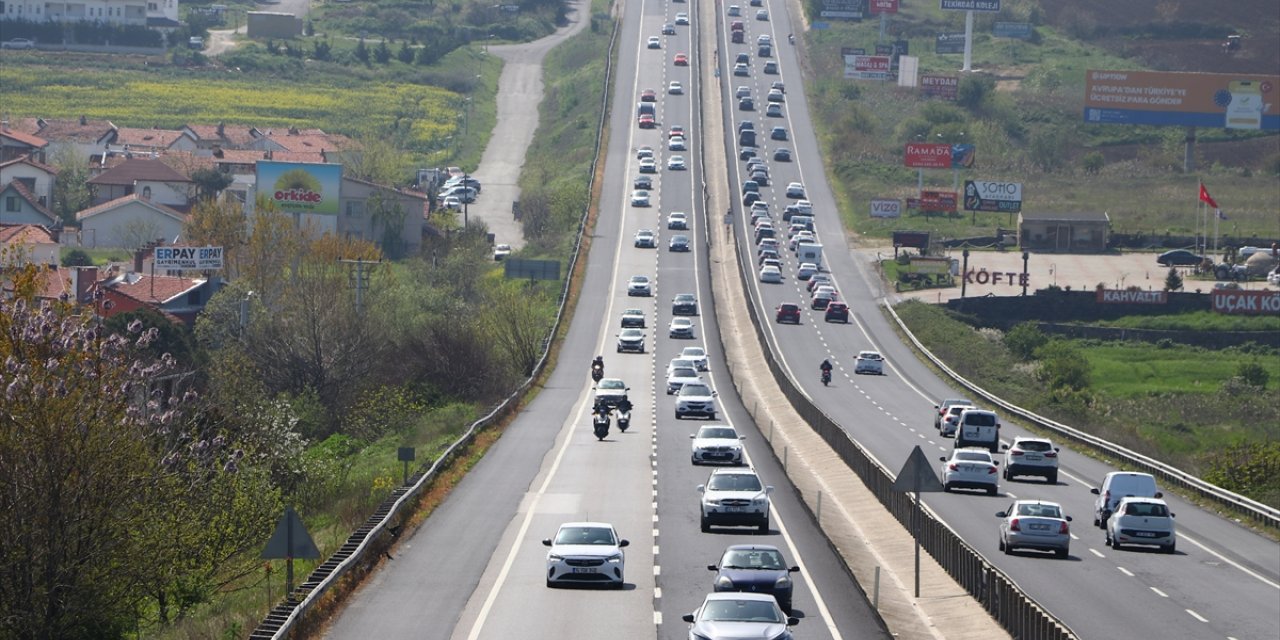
(716, 443)
(501, 251)
(682, 18)
(795, 190)
(970, 468)
(801, 236)
(769, 274)
(644, 152)
(452, 203)
(1031, 457)
(741, 616)
(677, 220)
(680, 363)
(633, 318)
(742, 92)
(741, 69)
(675, 88)
(696, 399)
(804, 207)
(646, 239)
(631, 341)
(869, 362)
(676, 143)
(648, 165)
(586, 552)
(655, 42)
(735, 10)
(639, 198)
(1145, 521)
(1035, 524)
(680, 376)
(676, 163)
(639, 286)
(698, 355)
(735, 497)
(18, 43)
(806, 270)
(680, 327)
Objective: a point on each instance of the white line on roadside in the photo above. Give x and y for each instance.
(1160, 593)
(1197, 616)
(1096, 552)
(1125, 571)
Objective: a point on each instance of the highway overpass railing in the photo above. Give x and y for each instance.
(362, 550)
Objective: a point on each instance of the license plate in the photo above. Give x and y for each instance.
(1039, 527)
(733, 509)
(1033, 458)
(584, 570)
(1145, 534)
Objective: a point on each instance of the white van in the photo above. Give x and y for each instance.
(978, 428)
(1118, 485)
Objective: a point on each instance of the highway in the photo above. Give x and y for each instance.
(1224, 581)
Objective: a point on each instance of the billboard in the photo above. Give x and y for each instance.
(970, 5)
(982, 195)
(1217, 100)
(939, 156)
(949, 42)
(883, 6)
(867, 67)
(1019, 30)
(914, 239)
(936, 86)
(1135, 296)
(1246, 302)
(938, 201)
(886, 208)
(301, 187)
(847, 9)
(198, 258)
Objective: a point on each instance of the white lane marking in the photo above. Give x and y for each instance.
(1074, 536)
(657, 593)
(1010, 494)
(1197, 616)
(1125, 571)
(657, 570)
(1229, 561)
(655, 549)
(1096, 552)
(1160, 593)
(657, 617)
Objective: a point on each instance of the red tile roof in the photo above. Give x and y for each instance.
(25, 234)
(146, 138)
(31, 199)
(49, 169)
(28, 139)
(133, 197)
(297, 156)
(234, 135)
(74, 130)
(134, 169)
(153, 290)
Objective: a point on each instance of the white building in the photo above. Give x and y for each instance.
(113, 11)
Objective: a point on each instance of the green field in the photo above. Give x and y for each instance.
(1129, 369)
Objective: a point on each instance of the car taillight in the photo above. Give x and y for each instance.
(1015, 453)
(991, 469)
(1051, 454)
(1014, 525)
(953, 466)
(1063, 529)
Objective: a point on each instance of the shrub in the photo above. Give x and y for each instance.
(1253, 374)
(77, 258)
(1062, 366)
(1023, 340)
(1092, 163)
(1173, 281)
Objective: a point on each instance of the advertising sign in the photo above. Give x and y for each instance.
(1243, 302)
(1019, 30)
(936, 86)
(301, 187)
(971, 5)
(938, 201)
(992, 196)
(950, 42)
(197, 258)
(1012, 278)
(1217, 100)
(886, 208)
(1121, 296)
(929, 266)
(867, 67)
(939, 156)
(847, 9)
(853, 51)
(883, 6)
(913, 239)
(885, 49)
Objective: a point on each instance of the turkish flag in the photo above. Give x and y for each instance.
(1206, 198)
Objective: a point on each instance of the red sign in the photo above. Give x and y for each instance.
(1241, 302)
(928, 155)
(938, 200)
(945, 87)
(1120, 296)
(882, 6)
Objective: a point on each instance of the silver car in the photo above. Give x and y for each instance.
(716, 443)
(740, 616)
(1035, 524)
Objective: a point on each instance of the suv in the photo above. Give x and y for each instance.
(1031, 457)
(696, 399)
(1142, 521)
(684, 304)
(1118, 485)
(837, 312)
(611, 391)
(735, 497)
(788, 312)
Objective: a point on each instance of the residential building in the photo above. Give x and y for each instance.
(22, 244)
(129, 222)
(391, 218)
(150, 178)
(180, 297)
(36, 176)
(142, 141)
(85, 139)
(17, 144)
(1084, 232)
(18, 205)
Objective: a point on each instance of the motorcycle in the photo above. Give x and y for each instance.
(597, 372)
(624, 420)
(826, 378)
(600, 424)
(791, 38)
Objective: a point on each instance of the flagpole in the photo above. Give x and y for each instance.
(1217, 215)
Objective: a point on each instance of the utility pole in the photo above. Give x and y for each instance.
(360, 278)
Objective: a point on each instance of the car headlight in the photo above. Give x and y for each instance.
(698, 636)
(784, 581)
(554, 557)
(614, 559)
(723, 582)
(759, 502)
(711, 502)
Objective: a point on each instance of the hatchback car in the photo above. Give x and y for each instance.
(788, 312)
(734, 498)
(684, 304)
(951, 421)
(970, 468)
(646, 121)
(746, 104)
(735, 10)
(655, 42)
(677, 377)
(778, 133)
(774, 110)
(770, 274)
(771, 67)
(646, 239)
(1144, 521)
(678, 242)
(716, 443)
(633, 318)
(755, 568)
(501, 251)
(942, 409)
(642, 182)
(668, 29)
(795, 190)
(836, 312)
(586, 552)
(782, 154)
(639, 198)
(806, 270)
(639, 286)
(1179, 257)
(818, 280)
(680, 328)
(762, 15)
(681, 60)
(869, 362)
(1035, 524)
(776, 96)
(631, 341)
(675, 88)
(682, 18)
(649, 95)
(821, 299)
(678, 220)
(741, 616)
(1031, 457)
(676, 163)
(741, 69)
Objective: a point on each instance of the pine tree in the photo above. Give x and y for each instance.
(1173, 281)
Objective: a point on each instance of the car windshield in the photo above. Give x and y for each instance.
(684, 372)
(734, 482)
(973, 456)
(1040, 510)
(585, 535)
(684, 297)
(752, 559)
(980, 420)
(693, 352)
(695, 390)
(1149, 509)
(640, 280)
(718, 433)
(1034, 445)
(631, 333)
(612, 383)
(741, 611)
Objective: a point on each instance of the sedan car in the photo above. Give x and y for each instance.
(18, 43)
(1035, 524)
(677, 220)
(586, 552)
(679, 242)
(774, 110)
(646, 121)
(741, 616)
(677, 377)
(631, 341)
(770, 274)
(970, 468)
(741, 69)
(776, 96)
(676, 143)
(869, 362)
(682, 18)
(668, 29)
(716, 443)
(633, 319)
(646, 239)
(1145, 521)
(696, 355)
(611, 391)
(681, 60)
(696, 400)
(762, 15)
(649, 95)
(1179, 257)
(755, 568)
(680, 328)
(795, 190)
(806, 270)
(684, 304)
(676, 163)
(821, 300)
(782, 154)
(639, 286)
(655, 42)
(642, 182)
(648, 165)
(778, 133)
(836, 312)
(675, 88)
(676, 130)
(639, 198)
(788, 312)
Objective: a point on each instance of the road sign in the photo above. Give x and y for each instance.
(917, 476)
(991, 6)
(886, 208)
(1019, 30)
(818, 26)
(1003, 197)
(531, 269)
(949, 42)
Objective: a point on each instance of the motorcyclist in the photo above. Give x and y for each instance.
(825, 366)
(791, 37)
(598, 363)
(624, 406)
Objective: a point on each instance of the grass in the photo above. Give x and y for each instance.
(100, 256)
(1197, 321)
(1132, 369)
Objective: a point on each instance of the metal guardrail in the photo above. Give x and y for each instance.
(1170, 475)
(365, 544)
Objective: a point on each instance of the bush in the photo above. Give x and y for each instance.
(1092, 163)
(1251, 469)
(1253, 374)
(1023, 340)
(77, 258)
(1173, 281)
(1062, 366)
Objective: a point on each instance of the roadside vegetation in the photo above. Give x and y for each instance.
(1209, 412)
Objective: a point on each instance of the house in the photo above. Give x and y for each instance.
(18, 205)
(391, 218)
(36, 176)
(83, 137)
(22, 244)
(183, 298)
(202, 139)
(142, 141)
(108, 11)
(1084, 232)
(151, 178)
(129, 222)
(17, 144)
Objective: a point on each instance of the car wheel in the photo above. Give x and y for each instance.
(1171, 548)
(1005, 474)
(991, 491)
(705, 524)
(550, 584)
(946, 486)
(713, 416)
(763, 527)
(1000, 544)
(1052, 478)
(1061, 554)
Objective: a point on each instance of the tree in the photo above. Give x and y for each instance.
(382, 54)
(1173, 281)
(77, 258)
(1062, 366)
(210, 182)
(405, 54)
(1023, 340)
(1253, 374)
(219, 224)
(71, 188)
(362, 52)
